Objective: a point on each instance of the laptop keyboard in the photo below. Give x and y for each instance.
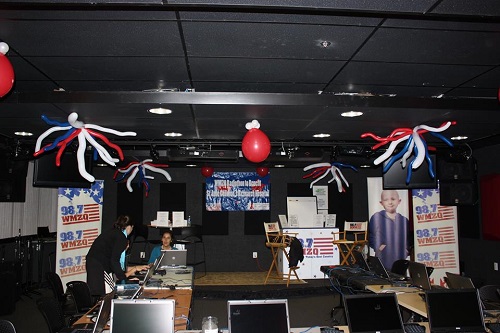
(494, 327)
(330, 330)
(414, 328)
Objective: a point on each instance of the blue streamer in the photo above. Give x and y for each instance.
(442, 137)
(54, 122)
(59, 139)
(397, 156)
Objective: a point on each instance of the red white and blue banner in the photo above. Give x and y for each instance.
(78, 225)
(436, 235)
(237, 191)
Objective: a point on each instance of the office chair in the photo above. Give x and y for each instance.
(192, 238)
(278, 242)
(354, 236)
(52, 313)
(80, 292)
(57, 288)
(490, 296)
(7, 327)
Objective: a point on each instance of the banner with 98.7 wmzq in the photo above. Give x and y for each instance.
(78, 225)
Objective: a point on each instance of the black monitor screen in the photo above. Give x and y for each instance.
(395, 177)
(47, 174)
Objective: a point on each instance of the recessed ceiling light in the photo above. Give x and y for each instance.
(160, 111)
(22, 133)
(279, 165)
(173, 134)
(321, 135)
(325, 43)
(365, 166)
(351, 114)
(191, 165)
(459, 137)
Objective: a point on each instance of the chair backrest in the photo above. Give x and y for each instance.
(355, 226)
(56, 285)
(7, 327)
(272, 229)
(400, 266)
(80, 292)
(52, 312)
(193, 233)
(489, 294)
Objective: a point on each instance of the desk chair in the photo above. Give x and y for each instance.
(277, 242)
(490, 296)
(192, 238)
(7, 327)
(80, 292)
(52, 313)
(354, 236)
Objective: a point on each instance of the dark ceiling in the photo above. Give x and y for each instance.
(292, 65)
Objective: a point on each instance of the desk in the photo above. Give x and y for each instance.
(408, 297)
(179, 277)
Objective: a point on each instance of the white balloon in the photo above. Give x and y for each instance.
(4, 48)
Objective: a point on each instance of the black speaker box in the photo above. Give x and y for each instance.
(458, 193)
(456, 170)
(13, 180)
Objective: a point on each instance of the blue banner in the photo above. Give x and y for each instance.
(237, 191)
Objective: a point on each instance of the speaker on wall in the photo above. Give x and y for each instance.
(450, 170)
(458, 193)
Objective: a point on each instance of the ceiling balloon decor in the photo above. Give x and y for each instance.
(83, 132)
(255, 145)
(321, 170)
(6, 71)
(136, 168)
(262, 171)
(207, 171)
(415, 144)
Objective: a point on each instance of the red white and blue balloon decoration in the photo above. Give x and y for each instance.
(415, 144)
(321, 170)
(84, 132)
(139, 168)
(6, 71)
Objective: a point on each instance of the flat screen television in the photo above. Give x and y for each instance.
(47, 174)
(395, 177)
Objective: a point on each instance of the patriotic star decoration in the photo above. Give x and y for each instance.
(84, 132)
(415, 144)
(424, 194)
(139, 168)
(95, 192)
(321, 170)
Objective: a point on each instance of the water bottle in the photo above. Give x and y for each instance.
(189, 221)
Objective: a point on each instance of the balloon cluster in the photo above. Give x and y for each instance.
(84, 133)
(255, 145)
(321, 170)
(415, 143)
(6, 71)
(134, 168)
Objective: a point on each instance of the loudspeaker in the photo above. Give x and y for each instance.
(458, 193)
(13, 180)
(457, 170)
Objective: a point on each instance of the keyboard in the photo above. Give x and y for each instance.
(414, 328)
(330, 330)
(494, 327)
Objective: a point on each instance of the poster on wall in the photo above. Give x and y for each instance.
(388, 226)
(436, 234)
(237, 191)
(78, 225)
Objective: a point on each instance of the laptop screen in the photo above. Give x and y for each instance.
(141, 315)
(370, 313)
(454, 310)
(173, 258)
(263, 316)
(455, 281)
(378, 267)
(418, 275)
(360, 260)
(104, 313)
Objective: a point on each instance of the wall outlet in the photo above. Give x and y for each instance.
(254, 255)
(143, 255)
(495, 266)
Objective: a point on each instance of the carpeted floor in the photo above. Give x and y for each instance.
(240, 279)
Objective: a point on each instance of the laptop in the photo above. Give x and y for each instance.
(173, 258)
(419, 276)
(456, 281)
(378, 268)
(142, 315)
(454, 310)
(373, 313)
(360, 260)
(263, 316)
(100, 321)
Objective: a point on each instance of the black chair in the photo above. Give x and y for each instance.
(400, 266)
(52, 313)
(56, 285)
(7, 327)
(80, 292)
(490, 297)
(192, 238)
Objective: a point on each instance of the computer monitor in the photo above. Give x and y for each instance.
(263, 316)
(142, 315)
(456, 281)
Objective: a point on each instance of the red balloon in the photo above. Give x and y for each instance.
(207, 171)
(6, 75)
(262, 171)
(256, 145)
